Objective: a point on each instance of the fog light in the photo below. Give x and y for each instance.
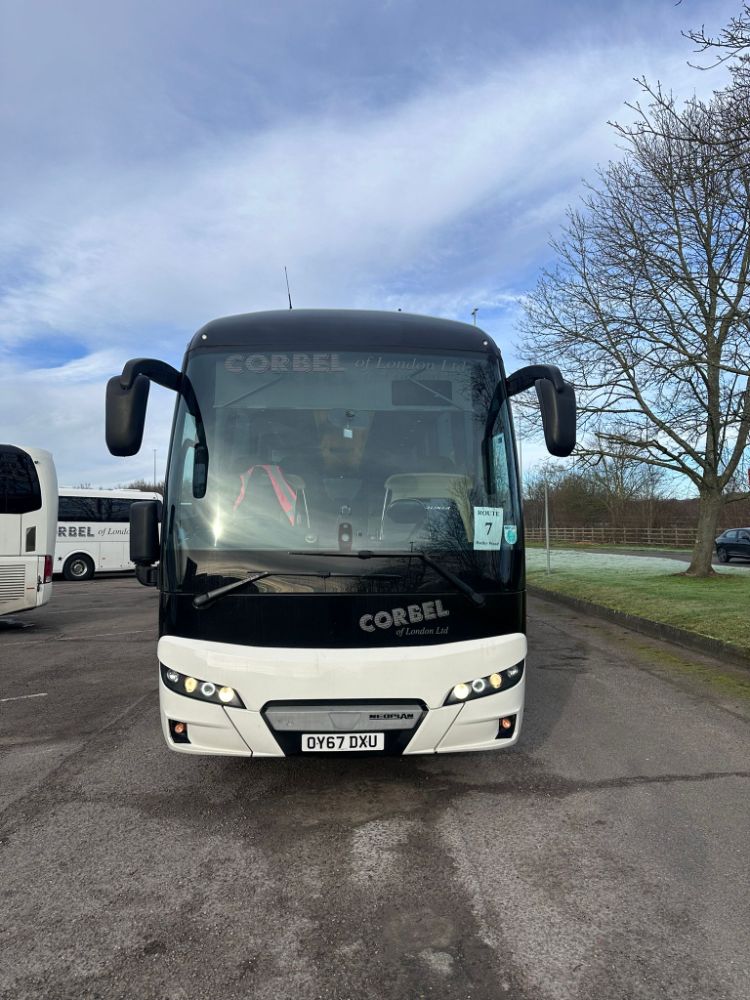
(208, 689)
(495, 680)
(226, 694)
(506, 723)
(478, 685)
(190, 684)
(173, 676)
(461, 691)
(178, 732)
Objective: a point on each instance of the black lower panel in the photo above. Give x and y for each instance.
(336, 621)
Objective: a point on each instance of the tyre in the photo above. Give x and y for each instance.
(723, 556)
(78, 567)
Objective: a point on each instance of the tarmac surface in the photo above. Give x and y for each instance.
(604, 857)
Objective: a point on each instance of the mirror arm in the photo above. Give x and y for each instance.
(156, 371)
(147, 576)
(127, 396)
(162, 374)
(524, 378)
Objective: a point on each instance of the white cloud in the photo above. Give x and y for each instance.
(89, 369)
(346, 203)
(439, 204)
(62, 409)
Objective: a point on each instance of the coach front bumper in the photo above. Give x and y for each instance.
(337, 679)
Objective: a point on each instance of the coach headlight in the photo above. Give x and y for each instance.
(480, 687)
(192, 687)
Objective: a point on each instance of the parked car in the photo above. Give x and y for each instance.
(733, 542)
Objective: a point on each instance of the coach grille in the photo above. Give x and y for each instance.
(338, 718)
(398, 720)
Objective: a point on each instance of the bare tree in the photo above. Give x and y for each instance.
(738, 487)
(729, 130)
(647, 307)
(731, 46)
(146, 486)
(576, 497)
(620, 474)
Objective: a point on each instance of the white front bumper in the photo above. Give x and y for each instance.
(265, 674)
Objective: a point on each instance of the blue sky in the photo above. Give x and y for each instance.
(163, 161)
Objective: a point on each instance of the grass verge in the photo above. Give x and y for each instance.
(609, 547)
(717, 607)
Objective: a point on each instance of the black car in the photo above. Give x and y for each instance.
(733, 542)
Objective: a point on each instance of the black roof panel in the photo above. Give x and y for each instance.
(340, 329)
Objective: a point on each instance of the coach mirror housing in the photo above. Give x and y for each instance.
(558, 408)
(126, 415)
(145, 516)
(127, 397)
(557, 402)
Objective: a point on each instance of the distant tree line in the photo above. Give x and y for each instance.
(584, 497)
(146, 486)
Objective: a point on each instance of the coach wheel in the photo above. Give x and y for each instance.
(723, 555)
(78, 567)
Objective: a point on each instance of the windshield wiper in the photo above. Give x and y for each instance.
(446, 574)
(204, 600)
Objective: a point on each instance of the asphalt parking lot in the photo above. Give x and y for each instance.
(606, 856)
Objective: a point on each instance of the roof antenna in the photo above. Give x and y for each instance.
(287, 287)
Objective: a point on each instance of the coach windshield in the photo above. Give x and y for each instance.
(339, 452)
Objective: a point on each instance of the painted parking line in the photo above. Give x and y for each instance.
(101, 635)
(87, 606)
(20, 697)
(51, 639)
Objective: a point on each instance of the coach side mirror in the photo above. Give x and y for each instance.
(127, 396)
(557, 402)
(126, 415)
(558, 408)
(145, 516)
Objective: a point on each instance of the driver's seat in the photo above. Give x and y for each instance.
(443, 496)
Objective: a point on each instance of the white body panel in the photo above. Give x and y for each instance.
(105, 543)
(419, 673)
(22, 584)
(25, 540)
